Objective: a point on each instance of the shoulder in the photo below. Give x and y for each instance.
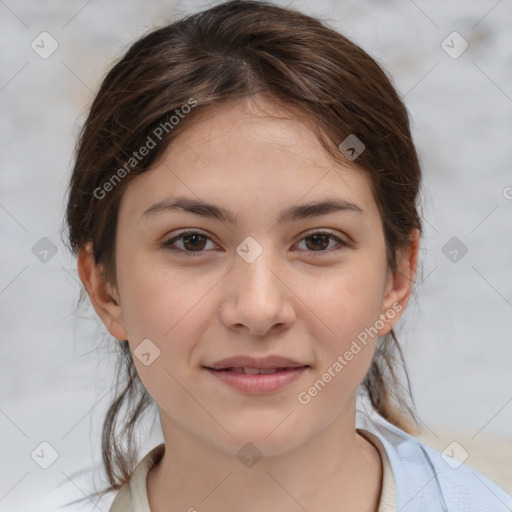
(428, 480)
(133, 494)
(123, 500)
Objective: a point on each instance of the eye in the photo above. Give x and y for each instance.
(196, 242)
(192, 241)
(319, 241)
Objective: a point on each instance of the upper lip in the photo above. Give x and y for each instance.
(264, 363)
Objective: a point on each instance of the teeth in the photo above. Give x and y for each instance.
(252, 371)
(255, 371)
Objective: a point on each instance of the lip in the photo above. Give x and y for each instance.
(265, 363)
(259, 384)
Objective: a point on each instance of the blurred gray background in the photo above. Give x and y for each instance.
(55, 381)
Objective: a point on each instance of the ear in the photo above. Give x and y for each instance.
(103, 297)
(399, 284)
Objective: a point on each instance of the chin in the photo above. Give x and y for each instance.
(271, 438)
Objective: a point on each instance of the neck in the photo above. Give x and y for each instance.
(336, 469)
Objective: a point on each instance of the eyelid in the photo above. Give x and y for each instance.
(190, 231)
(323, 231)
(167, 244)
(341, 241)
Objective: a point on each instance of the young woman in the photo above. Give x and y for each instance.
(244, 211)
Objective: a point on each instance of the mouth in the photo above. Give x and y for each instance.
(255, 371)
(257, 381)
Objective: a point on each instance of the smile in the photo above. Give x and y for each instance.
(255, 380)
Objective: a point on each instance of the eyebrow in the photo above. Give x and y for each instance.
(294, 213)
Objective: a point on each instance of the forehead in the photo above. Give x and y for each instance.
(248, 154)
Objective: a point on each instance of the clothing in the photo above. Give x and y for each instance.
(133, 497)
(387, 502)
(425, 481)
(416, 478)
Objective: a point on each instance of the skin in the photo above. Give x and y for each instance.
(256, 159)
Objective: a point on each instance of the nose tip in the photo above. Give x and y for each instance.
(256, 297)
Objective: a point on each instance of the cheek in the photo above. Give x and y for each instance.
(349, 299)
(346, 304)
(157, 300)
(169, 309)
(166, 310)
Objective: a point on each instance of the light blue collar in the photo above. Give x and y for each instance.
(425, 482)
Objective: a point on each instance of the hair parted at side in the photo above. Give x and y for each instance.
(231, 51)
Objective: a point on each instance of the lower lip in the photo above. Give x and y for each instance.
(259, 383)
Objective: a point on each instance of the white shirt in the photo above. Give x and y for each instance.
(133, 497)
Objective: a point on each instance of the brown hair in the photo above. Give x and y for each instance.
(232, 51)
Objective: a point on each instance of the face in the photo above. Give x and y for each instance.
(194, 288)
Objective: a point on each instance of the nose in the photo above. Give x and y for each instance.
(257, 299)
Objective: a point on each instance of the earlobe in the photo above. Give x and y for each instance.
(101, 293)
(400, 284)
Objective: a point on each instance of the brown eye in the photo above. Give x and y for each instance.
(319, 242)
(191, 241)
(194, 242)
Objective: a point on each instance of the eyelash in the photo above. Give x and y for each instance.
(168, 244)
